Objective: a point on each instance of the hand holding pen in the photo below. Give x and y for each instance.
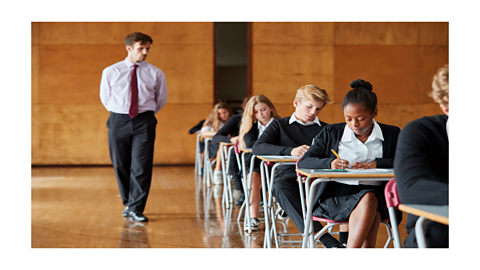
(339, 163)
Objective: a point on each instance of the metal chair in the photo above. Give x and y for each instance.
(393, 201)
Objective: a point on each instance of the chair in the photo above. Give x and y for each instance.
(207, 164)
(198, 155)
(393, 201)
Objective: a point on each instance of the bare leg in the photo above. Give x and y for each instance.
(371, 240)
(255, 194)
(218, 164)
(362, 220)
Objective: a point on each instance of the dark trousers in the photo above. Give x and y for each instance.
(287, 194)
(131, 143)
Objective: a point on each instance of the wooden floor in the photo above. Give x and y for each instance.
(80, 207)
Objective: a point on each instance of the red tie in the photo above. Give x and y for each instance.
(133, 110)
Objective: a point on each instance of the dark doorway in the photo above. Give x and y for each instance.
(231, 63)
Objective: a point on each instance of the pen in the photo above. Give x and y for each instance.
(335, 153)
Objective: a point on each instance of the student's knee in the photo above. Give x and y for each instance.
(370, 200)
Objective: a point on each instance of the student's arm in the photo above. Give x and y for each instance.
(387, 160)
(228, 130)
(412, 167)
(251, 137)
(269, 142)
(319, 155)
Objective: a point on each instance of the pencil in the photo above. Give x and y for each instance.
(335, 154)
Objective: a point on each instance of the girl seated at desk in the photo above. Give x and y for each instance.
(259, 113)
(291, 136)
(221, 112)
(361, 143)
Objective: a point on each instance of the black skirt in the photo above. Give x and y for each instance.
(339, 200)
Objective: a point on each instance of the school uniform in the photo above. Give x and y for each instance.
(224, 134)
(421, 173)
(250, 138)
(336, 200)
(280, 138)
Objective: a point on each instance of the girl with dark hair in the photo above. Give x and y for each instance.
(361, 143)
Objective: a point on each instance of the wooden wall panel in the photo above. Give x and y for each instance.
(376, 33)
(278, 71)
(286, 33)
(176, 33)
(392, 70)
(82, 33)
(433, 33)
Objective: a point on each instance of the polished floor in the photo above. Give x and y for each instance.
(79, 207)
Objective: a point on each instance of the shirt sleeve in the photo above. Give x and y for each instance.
(105, 90)
(227, 131)
(161, 93)
(251, 137)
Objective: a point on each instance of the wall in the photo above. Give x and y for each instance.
(68, 119)
(399, 59)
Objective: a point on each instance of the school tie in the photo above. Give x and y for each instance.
(133, 110)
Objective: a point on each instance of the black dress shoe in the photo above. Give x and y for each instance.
(240, 199)
(137, 216)
(125, 212)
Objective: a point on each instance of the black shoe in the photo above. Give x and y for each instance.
(240, 199)
(137, 216)
(337, 246)
(125, 212)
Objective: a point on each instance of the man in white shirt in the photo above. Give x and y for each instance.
(133, 91)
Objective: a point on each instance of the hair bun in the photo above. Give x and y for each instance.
(359, 84)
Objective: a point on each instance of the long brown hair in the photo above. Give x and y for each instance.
(212, 119)
(249, 117)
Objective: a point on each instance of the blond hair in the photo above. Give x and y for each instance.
(212, 119)
(440, 86)
(249, 117)
(312, 92)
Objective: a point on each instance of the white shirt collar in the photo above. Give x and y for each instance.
(264, 127)
(448, 134)
(294, 119)
(130, 64)
(348, 134)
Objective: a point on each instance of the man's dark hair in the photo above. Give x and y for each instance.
(135, 37)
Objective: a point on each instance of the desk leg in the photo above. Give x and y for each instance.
(420, 234)
(224, 176)
(246, 191)
(267, 242)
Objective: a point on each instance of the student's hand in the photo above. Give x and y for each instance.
(339, 164)
(367, 165)
(234, 139)
(299, 151)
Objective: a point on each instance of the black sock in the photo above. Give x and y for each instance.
(343, 238)
(329, 241)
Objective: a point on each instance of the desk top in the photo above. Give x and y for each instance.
(279, 158)
(438, 213)
(227, 143)
(370, 173)
(246, 150)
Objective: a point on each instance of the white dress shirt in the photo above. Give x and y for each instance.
(353, 150)
(115, 87)
(294, 119)
(261, 128)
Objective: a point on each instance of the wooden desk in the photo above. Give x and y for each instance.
(437, 213)
(325, 176)
(267, 183)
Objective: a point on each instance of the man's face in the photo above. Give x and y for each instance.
(138, 52)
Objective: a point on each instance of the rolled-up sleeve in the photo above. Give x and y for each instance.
(105, 90)
(161, 94)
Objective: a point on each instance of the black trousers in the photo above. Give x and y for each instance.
(131, 143)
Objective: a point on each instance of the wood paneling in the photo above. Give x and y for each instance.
(287, 33)
(434, 33)
(176, 33)
(431, 59)
(373, 33)
(392, 70)
(279, 71)
(82, 33)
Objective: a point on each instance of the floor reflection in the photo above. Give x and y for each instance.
(134, 234)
